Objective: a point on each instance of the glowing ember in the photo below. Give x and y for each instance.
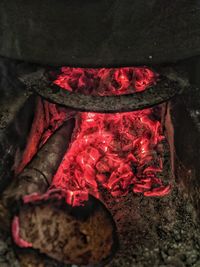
(48, 118)
(104, 82)
(115, 152)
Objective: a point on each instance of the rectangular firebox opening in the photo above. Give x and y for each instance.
(94, 188)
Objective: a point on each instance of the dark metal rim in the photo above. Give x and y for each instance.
(168, 86)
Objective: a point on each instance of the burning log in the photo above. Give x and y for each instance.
(37, 176)
(73, 235)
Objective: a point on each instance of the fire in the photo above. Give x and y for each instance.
(106, 81)
(115, 152)
(118, 152)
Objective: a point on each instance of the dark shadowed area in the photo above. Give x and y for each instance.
(100, 33)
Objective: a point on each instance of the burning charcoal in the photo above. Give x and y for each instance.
(36, 131)
(73, 235)
(105, 82)
(47, 119)
(37, 176)
(115, 151)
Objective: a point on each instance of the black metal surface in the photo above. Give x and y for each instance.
(99, 33)
(169, 85)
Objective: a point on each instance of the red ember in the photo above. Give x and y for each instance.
(104, 81)
(114, 151)
(118, 152)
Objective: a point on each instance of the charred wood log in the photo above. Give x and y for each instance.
(73, 235)
(37, 176)
(34, 136)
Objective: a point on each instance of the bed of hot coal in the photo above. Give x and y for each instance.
(124, 160)
(117, 152)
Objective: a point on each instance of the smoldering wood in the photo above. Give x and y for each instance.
(38, 174)
(171, 83)
(33, 138)
(73, 235)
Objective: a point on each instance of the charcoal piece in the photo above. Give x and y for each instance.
(37, 176)
(35, 133)
(73, 235)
